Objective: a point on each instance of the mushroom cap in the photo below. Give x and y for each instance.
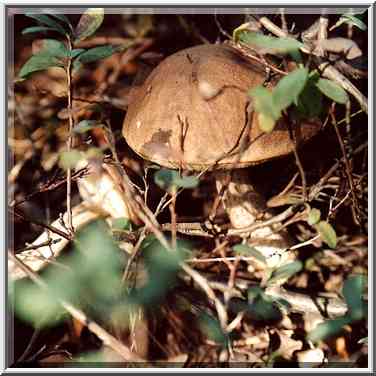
(191, 112)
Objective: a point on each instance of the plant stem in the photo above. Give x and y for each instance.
(70, 137)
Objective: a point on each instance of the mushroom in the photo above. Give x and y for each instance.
(193, 113)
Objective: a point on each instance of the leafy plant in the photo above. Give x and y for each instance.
(300, 88)
(352, 292)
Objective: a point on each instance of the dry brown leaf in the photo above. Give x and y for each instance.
(341, 46)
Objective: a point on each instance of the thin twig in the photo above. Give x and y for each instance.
(70, 136)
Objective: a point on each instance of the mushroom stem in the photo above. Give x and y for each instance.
(244, 206)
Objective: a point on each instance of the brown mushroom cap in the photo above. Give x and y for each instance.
(191, 112)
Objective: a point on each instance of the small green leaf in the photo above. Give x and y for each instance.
(121, 224)
(363, 341)
(328, 329)
(262, 307)
(212, 329)
(36, 29)
(289, 88)
(76, 52)
(332, 90)
(313, 216)
(36, 306)
(39, 62)
(327, 233)
(87, 125)
(266, 123)
(47, 21)
(310, 100)
(187, 182)
(353, 291)
(264, 102)
(167, 179)
(52, 47)
(69, 159)
(62, 18)
(246, 250)
(272, 44)
(285, 271)
(89, 22)
(97, 53)
(350, 19)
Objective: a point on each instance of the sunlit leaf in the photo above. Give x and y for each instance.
(353, 291)
(246, 250)
(332, 90)
(310, 100)
(327, 233)
(266, 123)
(121, 224)
(328, 329)
(289, 88)
(39, 62)
(50, 47)
(271, 44)
(285, 271)
(89, 22)
(313, 216)
(37, 306)
(263, 102)
(350, 19)
(69, 159)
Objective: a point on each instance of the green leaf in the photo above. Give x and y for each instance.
(264, 102)
(53, 47)
(246, 250)
(266, 123)
(97, 53)
(285, 272)
(272, 44)
(328, 329)
(36, 29)
(76, 52)
(353, 291)
(39, 62)
(262, 307)
(363, 341)
(310, 100)
(313, 216)
(332, 90)
(47, 21)
(187, 182)
(289, 88)
(167, 179)
(87, 125)
(62, 18)
(88, 24)
(69, 159)
(327, 233)
(212, 329)
(350, 19)
(121, 224)
(37, 306)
